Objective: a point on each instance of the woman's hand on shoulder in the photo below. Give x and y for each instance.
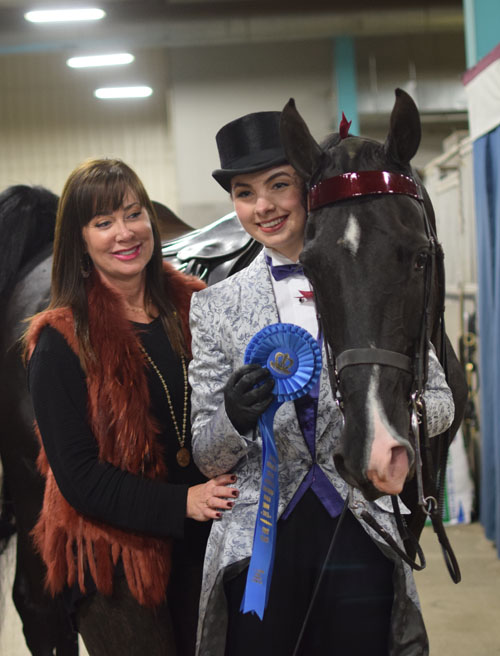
(205, 501)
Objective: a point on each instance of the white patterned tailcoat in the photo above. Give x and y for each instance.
(224, 318)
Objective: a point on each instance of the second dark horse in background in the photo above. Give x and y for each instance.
(27, 218)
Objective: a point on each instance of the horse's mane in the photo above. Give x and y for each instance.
(330, 141)
(27, 220)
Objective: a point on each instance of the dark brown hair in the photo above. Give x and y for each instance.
(97, 185)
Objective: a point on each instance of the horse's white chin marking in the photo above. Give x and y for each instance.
(387, 460)
(352, 235)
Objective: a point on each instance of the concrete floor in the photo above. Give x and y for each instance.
(462, 620)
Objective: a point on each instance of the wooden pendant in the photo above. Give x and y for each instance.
(183, 457)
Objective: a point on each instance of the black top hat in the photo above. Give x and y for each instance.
(248, 144)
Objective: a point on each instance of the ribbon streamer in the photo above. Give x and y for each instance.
(293, 357)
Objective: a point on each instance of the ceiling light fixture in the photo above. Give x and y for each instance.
(116, 59)
(63, 15)
(123, 92)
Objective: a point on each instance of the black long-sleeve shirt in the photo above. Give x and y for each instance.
(99, 489)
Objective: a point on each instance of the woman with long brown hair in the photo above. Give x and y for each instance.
(123, 526)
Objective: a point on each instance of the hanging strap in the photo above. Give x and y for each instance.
(434, 500)
(406, 536)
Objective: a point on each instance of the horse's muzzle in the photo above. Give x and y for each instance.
(382, 469)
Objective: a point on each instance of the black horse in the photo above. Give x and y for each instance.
(372, 255)
(27, 218)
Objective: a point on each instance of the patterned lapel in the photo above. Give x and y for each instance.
(327, 406)
(260, 297)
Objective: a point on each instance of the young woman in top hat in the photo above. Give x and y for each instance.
(122, 529)
(353, 614)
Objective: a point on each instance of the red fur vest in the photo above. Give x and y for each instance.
(67, 541)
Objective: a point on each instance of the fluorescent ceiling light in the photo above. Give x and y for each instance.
(101, 60)
(123, 92)
(62, 15)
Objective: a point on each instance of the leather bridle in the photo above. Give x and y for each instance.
(365, 183)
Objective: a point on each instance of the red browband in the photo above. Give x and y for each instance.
(362, 183)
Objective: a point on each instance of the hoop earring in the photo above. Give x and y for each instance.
(85, 265)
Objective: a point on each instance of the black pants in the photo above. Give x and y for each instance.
(351, 615)
(119, 626)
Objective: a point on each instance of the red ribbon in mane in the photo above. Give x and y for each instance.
(344, 127)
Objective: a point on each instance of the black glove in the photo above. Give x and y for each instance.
(243, 400)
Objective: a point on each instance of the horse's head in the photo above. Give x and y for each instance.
(367, 253)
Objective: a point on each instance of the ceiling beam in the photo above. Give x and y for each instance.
(150, 31)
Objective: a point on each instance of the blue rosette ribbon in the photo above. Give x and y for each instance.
(293, 357)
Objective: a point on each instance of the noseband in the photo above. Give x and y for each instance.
(369, 183)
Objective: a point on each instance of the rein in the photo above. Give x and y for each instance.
(365, 183)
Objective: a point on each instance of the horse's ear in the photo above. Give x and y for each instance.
(301, 150)
(404, 135)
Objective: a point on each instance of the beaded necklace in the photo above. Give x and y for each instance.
(183, 456)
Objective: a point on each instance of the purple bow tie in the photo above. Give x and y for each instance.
(282, 271)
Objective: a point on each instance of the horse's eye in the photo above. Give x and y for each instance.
(421, 261)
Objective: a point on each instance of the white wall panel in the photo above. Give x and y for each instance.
(50, 121)
(214, 85)
(449, 181)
